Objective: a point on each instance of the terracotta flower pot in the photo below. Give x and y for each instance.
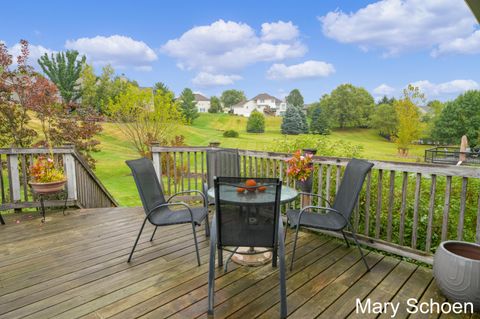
(48, 188)
(456, 268)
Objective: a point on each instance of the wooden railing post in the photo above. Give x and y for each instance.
(70, 172)
(14, 177)
(156, 160)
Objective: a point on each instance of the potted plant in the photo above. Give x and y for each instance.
(46, 178)
(456, 267)
(300, 168)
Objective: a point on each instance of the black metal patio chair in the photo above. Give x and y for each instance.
(241, 221)
(222, 162)
(157, 208)
(336, 217)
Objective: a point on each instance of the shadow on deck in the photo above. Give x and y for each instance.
(75, 266)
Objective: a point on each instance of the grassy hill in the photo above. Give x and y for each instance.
(115, 147)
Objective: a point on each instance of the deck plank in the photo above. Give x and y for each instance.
(75, 266)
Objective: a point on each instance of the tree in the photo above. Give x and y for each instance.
(188, 106)
(351, 106)
(320, 123)
(162, 87)
(295, 98)
(45, 105)
(15, 87)
(386, 100)
(63, 69)
(231, 97)
(215, 105)
(143, 124)
(292, 121)
(384, 119)
(459, 117)
(256, 122)
(409, 125)
(434, 110)
(88, 81)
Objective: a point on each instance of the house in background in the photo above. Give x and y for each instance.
(263, 103)
(203, 103)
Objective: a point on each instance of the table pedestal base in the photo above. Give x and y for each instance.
(261, 257)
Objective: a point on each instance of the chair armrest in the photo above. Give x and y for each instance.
(188, 192)
(171, 204)
(323, 208)
(317, 195)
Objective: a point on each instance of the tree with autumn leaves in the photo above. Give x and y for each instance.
(24, 94)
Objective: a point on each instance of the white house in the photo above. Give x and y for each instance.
(263, 103)
(203, 103)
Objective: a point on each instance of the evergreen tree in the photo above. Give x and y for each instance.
(256, 122)
(188, 106)
(319, 123)
(64, 70)
(295, 99)
(292, 121)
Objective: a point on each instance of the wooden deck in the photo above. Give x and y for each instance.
(75, 266)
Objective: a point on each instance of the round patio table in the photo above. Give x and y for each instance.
(253, 256)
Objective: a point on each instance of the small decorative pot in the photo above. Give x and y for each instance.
(456, 269)
(305, 186)
(48, 188)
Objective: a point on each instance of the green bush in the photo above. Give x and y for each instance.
(322, 144)
(256, 123)
(230, 133)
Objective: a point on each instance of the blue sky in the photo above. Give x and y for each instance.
(263, 46)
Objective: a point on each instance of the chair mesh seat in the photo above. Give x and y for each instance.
(329, 220)
(167, 216)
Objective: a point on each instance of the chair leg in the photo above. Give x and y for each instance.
(196, 243)
(136, 241)
(220, 257)
(275, 256)
(294, 247)
(207, 226)
(286, 227)
(153, 234)
(345, 237)
(358, 246)
(211, 279)
(2, 221)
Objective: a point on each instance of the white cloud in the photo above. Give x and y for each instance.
(445, 88)
(117, 50)
(205, 79)
(228, 47)
(307, 69)
(281, 31)
(400, 25)
(36, 51)
(384, 89)
(467, 45)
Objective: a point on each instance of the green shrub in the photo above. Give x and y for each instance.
(322, 144)
(230, 133)
(256, 123)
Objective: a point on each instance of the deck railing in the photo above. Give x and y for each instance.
(83, 189)
(404, 208)
(451, 155)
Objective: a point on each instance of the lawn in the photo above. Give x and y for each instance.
(115, 147)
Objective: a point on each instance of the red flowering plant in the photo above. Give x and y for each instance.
(300, 166)
(43, 170)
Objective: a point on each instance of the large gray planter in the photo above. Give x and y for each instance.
(456, 269)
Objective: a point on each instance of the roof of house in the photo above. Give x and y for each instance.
(265, 96)
(199, 97)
